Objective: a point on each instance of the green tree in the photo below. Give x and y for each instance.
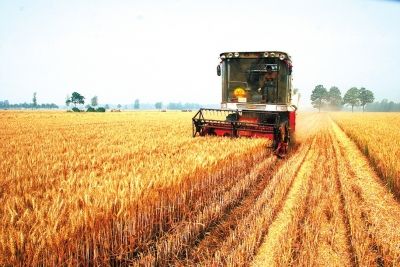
(158, 105)
(136, 105)
(319, 96)
(352, 97)
(365, 97)
(34, 100)
(76, 98)
(94, 101)
(334, 98)
(119, 106)
(107, 106)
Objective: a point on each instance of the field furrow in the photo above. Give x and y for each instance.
(374, 214)
(275, 249)
(322, 237)
(376, 138)
(340, 202)
(207, 244)
(331, 216)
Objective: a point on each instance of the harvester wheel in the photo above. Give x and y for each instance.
(292, 139)
(274, 145)
(281, 140)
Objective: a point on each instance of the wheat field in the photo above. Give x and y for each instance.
(377, 136)
(134, 188)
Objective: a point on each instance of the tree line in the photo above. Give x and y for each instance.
(5, 104)
(383, 106)
(332, 99)
(78, 99)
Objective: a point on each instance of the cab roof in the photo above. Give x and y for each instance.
(260, 54)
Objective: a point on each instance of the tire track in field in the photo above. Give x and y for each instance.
(269, 251)
(231, 243)
(352, 205)
(298, 242)
(205, 248)
(344, 214)
(317, 235)
(209, 243)
(239, 248)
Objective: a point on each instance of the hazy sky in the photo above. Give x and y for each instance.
(168, 50)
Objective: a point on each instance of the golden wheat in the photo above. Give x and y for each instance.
(84, 187)
(340, 216)
(377, 136)
(136, 189)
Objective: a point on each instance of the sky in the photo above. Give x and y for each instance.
(168, 50)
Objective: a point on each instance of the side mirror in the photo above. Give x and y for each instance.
(219, 70)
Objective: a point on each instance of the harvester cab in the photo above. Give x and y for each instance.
(256, 99)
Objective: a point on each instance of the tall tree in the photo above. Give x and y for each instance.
(352, 97)
(365, 96)
(136, 105)
(94, 101)
(76, 98)
(34, 100)
(158, 105)
(334, 98)
(319, 96)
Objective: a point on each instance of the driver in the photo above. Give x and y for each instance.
(267, 82)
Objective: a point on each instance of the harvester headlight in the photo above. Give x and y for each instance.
(266, 54)
(236, 54)
(230, 55)
(272, 54)
(282, 57)
(222, 56)
(239, 92)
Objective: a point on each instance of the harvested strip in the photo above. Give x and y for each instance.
(270, 252)
(212, 240)
(244, 240)
(240, 246)
(353, 260)
(321, 235)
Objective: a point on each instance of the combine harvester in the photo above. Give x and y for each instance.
(256, 99)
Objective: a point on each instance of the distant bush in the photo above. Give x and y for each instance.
(75, 109)
(90, 109)
(100, 109)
